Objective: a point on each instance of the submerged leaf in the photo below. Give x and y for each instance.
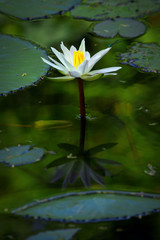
(93, 206)
(50, 124)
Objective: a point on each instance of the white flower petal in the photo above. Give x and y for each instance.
(87, 55)
(82, 46)
(51, 64)
(75, 74)
(95, 58)
(67, 54)
(104, 70)
(82, 67)
(86, 68)
(72, 50)
(109, 74)
(59, 64)
(61, 57)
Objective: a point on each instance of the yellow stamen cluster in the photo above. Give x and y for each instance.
(78, 58)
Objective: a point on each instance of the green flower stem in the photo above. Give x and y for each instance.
(81, 97)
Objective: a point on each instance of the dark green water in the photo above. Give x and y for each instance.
(122, 109)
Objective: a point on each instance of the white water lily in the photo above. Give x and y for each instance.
(78, 63)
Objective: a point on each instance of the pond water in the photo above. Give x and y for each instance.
(121, 130)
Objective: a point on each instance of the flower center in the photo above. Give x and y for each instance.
(78, 58)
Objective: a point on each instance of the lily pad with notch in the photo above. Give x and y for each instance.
(92, 206)
(36, 8)
(100, 10)
(145, 56)
(20, 155)
(20, 64)
(127, 28)
(63, 234)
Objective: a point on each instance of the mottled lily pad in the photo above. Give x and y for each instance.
(100, 10)
(144, 56)
(20, 64)
(35, 9)
(128, 28)
(20, 155)
(93, 206)
(62, 234)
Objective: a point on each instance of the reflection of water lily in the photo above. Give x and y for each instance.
(83, 164)
(78, 63)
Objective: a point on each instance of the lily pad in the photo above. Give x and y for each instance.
(36, 8)
(20, 155)
(93, 206)
(20, 64)
(144, 56)
(63, 234)
(128, 28)
(100, 10)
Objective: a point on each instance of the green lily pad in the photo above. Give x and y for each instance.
(36, 8)
(20, 155)
(62, 234)
(144, 56)
(128, 28)
(100, 10)
(93, 206)
(20, 64)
